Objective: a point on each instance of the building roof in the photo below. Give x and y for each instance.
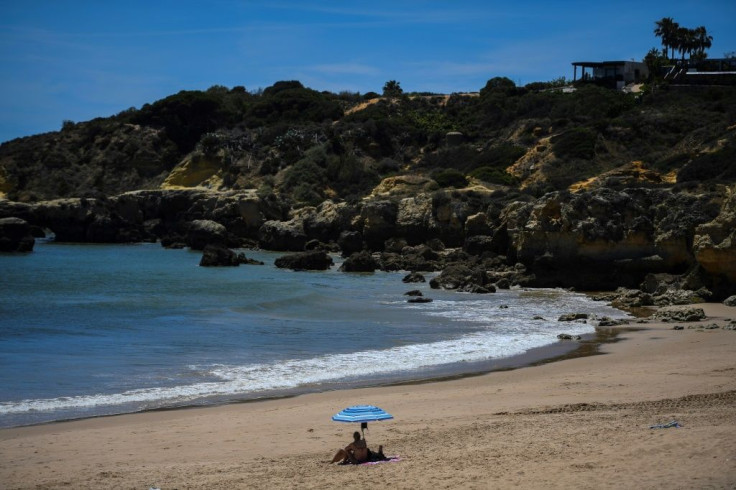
(600, 64)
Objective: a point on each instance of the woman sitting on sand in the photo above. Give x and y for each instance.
(357, 452)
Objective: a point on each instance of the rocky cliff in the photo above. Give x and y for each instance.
(592, 240)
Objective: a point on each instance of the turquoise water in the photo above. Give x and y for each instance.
(89, 330)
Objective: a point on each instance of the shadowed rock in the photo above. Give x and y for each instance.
(316, 260)
(15, 235)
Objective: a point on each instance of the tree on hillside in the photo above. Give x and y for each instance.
(667, 29)
(392, 88)
(655, 61)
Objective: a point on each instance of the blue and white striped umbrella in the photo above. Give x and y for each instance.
(362, 413)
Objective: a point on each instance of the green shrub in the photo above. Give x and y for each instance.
(720, 165)
(494, 175)
(450, 178)
(575, 143)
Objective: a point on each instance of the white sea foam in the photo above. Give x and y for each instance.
(291, 374)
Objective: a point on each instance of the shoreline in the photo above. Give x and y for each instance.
(581, 422)
(588, 345)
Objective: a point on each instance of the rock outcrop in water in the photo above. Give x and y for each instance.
(15, 235)
(601, 239)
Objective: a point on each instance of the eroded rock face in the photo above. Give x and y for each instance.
(283, 235)
(593, 240)
(15, 235)
(714, 244)
(377, 222)
(597, 239)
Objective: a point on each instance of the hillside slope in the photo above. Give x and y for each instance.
(307, 146)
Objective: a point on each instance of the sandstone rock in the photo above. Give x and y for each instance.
(414, 218)
(403, 185)
(328, 220)
(15, 235)
(413, 292)
(567, 336)
(730, 301)
(378, 223)
(313, 260)
(205, 232)
(282, 235)
(603, 238)
(681, 315)
(714, 246)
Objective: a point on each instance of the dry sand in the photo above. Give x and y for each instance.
(577, 423)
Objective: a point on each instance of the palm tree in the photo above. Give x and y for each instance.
(702, 41)
(667, 29)
(684, 41)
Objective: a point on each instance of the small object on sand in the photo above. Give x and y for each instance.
(668, 425)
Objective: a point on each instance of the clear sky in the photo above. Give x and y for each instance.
(81, 59)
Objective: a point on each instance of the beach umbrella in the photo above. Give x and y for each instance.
(362, 414)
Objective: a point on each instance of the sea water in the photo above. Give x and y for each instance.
(88, 330)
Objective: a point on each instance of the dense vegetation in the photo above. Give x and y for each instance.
(308, 145)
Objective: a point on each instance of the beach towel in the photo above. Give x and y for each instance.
(389, 459)
(668, 425)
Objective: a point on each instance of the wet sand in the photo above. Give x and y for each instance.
(575, 423)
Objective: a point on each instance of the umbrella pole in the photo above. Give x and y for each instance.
(363, 427)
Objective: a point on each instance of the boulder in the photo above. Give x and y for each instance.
(360, 262)
(414, 277)
(413, 292)
(15, 235)
(217, 256)
(681, 315)
(730, 301)
(463, 278)
(204, 232)
(419, 299)
(571, 317)
(312, 260)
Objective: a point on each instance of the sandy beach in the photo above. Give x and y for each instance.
(577, 423)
